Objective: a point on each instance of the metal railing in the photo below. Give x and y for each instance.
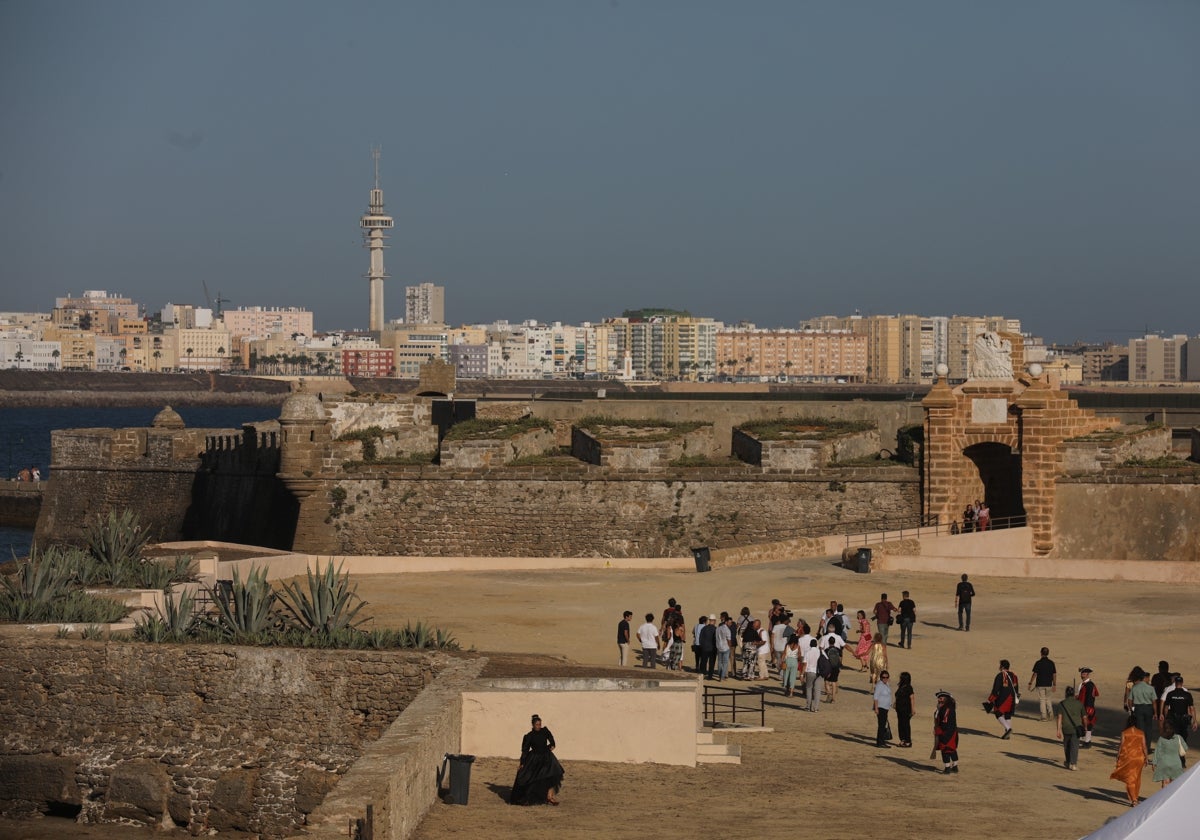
(933, 526)
(722, 705)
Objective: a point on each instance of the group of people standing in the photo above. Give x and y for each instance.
(977, 516)
(1161, 710)
(1161, 714)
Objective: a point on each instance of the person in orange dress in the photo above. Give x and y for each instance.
(1131, 759)
(862, 650)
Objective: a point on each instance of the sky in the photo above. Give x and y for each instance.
(567, 160)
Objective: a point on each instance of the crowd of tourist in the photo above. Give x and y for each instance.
(808, 661)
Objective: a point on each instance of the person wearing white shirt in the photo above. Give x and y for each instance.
(648, 636)
(813, 683)
(763, 652)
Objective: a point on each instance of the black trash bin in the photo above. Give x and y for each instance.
(703, 557)
(863, 556)
(460, 779)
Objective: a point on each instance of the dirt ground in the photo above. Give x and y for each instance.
(819, 774)
(1016, 788)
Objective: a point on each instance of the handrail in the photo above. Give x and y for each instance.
(719, 699)
(932, 525)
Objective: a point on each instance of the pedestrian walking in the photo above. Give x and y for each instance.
(945, 732)
(1069, 727)
(1044, 680)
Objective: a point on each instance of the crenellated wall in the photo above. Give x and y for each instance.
(184, 483)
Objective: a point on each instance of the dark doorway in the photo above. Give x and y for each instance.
(1000, 471)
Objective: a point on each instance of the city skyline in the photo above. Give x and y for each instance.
(564, 162)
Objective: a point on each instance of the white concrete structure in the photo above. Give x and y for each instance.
(374, 223)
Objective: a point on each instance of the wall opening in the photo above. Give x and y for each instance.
(1000, 473)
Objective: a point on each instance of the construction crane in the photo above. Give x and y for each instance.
(220, 300)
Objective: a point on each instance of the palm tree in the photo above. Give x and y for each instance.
(190, 351)
(56, 353)
(157, 357)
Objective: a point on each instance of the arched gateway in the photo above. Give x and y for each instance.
(999, 437)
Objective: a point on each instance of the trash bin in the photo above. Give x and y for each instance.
(703, 557)
(460, 779)
(863, 556)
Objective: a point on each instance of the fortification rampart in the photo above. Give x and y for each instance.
(519, 511)
(198, 736)
(184, 483)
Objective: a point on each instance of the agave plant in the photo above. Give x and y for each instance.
(328, 607)
(116, 541)
(247, 610)
(40, 579)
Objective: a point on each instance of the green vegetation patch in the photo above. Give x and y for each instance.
(803, 428)
(638, 430)
(1162, 462)
(479, 429)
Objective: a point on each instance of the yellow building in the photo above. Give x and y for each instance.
(795, 354)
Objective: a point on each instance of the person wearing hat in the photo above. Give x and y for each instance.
(539, 775)
(1179, 710)
(1002, 702)
(1142, 698)
(945, 732)
(1087, 694)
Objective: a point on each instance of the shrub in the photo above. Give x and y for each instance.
(247, 611)
(328, 606)
(803, 428)
(479, 429)
(116, 540)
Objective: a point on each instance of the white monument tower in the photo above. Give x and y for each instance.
(373, 223)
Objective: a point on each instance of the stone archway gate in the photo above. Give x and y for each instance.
(1024, 411)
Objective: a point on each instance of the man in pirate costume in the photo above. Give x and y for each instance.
(945, 732)
(1087, 693)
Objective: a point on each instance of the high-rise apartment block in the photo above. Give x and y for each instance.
(425, 304)
(264, 321)
(666, 347)
(1156, 358)
(797, 355)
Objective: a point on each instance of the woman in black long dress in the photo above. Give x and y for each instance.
(539, 775)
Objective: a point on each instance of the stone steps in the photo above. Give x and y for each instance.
(712, 749)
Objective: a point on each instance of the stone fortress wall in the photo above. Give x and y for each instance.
(207, 737)
(183, 483)
(295, 485)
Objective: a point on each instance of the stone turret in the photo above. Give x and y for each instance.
(305, 434)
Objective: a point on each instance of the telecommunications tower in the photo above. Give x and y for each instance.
(374, 223)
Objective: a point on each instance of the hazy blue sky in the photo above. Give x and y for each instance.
(564, 160)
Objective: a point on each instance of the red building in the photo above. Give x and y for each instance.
(371, 362)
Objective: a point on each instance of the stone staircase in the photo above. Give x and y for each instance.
(711, 748)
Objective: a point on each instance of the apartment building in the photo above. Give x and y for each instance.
(1156, 358)
(264, 321)
(666, 347)
(424, 303)
(795, 355)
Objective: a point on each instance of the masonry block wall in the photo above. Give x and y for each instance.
(183, 483)
(534, 511)
(1128, 515)
(197, 736)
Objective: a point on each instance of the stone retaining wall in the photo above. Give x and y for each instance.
(192, 735)
(543, 512)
